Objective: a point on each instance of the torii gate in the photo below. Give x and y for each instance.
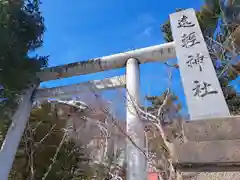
(201, 87)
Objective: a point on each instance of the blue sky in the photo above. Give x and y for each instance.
(79, 30)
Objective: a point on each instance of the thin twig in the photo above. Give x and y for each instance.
(46, 135)
(54, 157)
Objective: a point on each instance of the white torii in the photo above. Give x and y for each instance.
(130, 59)
(188, 43)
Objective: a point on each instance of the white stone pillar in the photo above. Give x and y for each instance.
(14, 135)
(135, 159)
(203, 92)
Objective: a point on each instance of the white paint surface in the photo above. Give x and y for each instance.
(148, 54)
(14, 135)
(67, 92)
(135, 159)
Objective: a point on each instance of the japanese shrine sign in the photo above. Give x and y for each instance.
(204, 95)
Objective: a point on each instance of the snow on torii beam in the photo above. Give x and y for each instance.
(153, 53)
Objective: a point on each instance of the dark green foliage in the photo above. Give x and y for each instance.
(171, 108)
(21, 32)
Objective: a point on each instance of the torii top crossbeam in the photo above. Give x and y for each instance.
(153, 53)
